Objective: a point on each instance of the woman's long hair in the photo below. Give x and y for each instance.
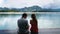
(33, 17)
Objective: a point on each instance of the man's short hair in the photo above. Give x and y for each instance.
(24, 14)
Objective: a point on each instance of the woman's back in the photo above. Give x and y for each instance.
(34, 25)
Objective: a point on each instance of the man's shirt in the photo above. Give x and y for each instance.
(23, 25)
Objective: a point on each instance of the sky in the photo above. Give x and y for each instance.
(24, 3)
(28, 3)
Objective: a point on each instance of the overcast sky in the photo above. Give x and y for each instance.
(28, 3)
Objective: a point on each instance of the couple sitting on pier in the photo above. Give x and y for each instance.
(24, 26)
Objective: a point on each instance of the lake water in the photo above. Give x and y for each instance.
(9, 22)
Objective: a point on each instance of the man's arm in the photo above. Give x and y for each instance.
(27, 25)
(18, 23)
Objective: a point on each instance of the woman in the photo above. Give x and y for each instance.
(34, 25)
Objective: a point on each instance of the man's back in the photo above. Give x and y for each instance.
(23, 25)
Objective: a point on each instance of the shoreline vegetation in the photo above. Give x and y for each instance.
(30, 12)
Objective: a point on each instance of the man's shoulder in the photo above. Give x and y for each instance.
(22, 20)
(19, 19)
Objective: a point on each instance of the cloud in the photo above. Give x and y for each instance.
(26, 3)
(57, 3)
(1, 3)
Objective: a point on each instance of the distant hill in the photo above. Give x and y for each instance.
(33, 8)
(28, 9)
(25, 9)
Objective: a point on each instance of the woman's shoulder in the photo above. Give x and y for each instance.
(31, 20)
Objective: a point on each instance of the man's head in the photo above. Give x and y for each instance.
(24, 15)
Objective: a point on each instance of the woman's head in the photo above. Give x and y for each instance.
(33, 16)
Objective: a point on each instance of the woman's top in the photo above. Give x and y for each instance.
(34, 25)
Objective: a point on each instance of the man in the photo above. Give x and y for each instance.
(23, 24)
